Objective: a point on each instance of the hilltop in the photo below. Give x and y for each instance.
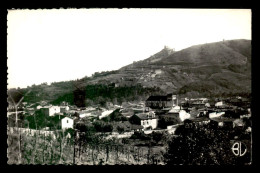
(209, 69)
(213, 67)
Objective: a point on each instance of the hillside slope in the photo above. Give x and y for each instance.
(220, 67)
(202, 70)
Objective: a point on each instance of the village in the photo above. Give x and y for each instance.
(144, 125)
(157, 113)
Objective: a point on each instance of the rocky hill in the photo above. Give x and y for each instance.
(202, 70)
(220, 67)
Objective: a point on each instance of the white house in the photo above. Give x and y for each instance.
(64, 109)
(207, 105)
(216, 114)
(219, 104)
(148, 120)
(50, 110)
(67, 123)
(84, 114)
(39, 107)
(175, 109)
(183, 115)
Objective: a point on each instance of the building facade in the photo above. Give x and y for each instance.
(50, 111)
(64, 109)
(148, 120)
(67, 123)
(160, 102)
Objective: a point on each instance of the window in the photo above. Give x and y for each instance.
(67, 121)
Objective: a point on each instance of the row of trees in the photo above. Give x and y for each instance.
(101, 94)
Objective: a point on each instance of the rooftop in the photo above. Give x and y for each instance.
(144, 116)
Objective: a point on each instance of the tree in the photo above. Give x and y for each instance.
(201, 145)
(16, 101)
(120, 129)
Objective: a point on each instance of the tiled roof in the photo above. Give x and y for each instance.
(143, 116)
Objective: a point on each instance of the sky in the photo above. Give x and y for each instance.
(67, 44)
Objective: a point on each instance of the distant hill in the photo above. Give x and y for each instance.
(209, 69)
(219, 53)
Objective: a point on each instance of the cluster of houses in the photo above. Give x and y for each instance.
(67, 113)
(148, 115)
(198, 111)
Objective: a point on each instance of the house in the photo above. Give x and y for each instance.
(148, 120)
(183, 115)
(67, 123)
(64, 109)
(105, 114)
(160, 102)
(216, 114)
(219, 104)
(38, 107)
(84, 114)
(175, 109)
(207, 105)
(126, 126)
(50, 110)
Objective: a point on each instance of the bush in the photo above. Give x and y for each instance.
(140, 135)
(102, 127)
